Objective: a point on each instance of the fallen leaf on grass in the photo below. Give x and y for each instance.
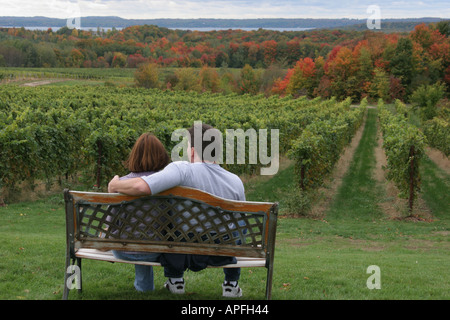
(286, 286)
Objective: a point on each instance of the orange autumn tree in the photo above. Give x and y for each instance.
(303, 78)
(300, 80)
(341, 70)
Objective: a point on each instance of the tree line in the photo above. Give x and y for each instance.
(314, 63)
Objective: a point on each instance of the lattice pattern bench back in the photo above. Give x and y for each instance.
(179, 220)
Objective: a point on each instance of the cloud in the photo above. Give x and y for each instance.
(237, 9)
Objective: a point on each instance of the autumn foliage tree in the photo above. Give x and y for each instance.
(119, 60)
(248, 82)
(303, 78)
(209, 79)
(76, 58)
(270, 52)
(341, 71)
(147, 76)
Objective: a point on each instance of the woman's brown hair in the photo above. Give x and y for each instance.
(148, 154)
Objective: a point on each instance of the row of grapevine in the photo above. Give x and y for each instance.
(11, 74)
(320, 144)
(56, 132)
(437, 131)
(404, 146)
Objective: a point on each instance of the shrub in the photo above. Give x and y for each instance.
(209, 79)
(187, 80)
(296, 203)
(147, 76)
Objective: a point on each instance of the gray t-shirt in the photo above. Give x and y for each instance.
(208, 177)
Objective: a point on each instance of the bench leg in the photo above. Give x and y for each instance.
(66, 290)
(81, 282)
(269, 282)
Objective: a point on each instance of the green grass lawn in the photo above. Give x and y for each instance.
(314, 259)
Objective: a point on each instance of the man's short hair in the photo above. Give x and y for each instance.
(204, 144)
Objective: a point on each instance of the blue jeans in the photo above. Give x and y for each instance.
(143, 280)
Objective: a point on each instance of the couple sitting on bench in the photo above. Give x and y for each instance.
(152, 173)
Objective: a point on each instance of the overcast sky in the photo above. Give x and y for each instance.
(237, 9)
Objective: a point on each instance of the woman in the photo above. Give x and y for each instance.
(147, 157)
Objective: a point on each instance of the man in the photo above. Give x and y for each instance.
(199, 173)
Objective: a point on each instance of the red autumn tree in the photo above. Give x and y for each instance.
(280, 85)
(134, 60)
(270, 51)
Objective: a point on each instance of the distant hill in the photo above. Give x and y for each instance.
(117, 22)
(389, 26)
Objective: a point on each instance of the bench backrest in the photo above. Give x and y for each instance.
(178, 220)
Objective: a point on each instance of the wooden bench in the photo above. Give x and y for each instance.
(178, 220)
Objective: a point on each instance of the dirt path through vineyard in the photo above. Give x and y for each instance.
(389, 202)
(335, 180)
(391, 205)
(42, 82)
(439, 158)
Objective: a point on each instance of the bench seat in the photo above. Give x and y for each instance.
(94, 254)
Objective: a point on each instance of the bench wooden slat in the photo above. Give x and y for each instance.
(94, 254)
(232, 205)
(186, 248)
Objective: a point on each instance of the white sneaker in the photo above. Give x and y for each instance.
(177, 287)
(230, 291)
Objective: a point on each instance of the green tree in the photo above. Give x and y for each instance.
(248, 83)
(46, 56)
(426, 98)
(444, 27)
(402, 65)
(380, 85)
(365, 65)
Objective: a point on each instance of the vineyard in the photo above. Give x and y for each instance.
(57, 134)
(51, 134)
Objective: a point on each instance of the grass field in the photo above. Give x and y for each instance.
(324, 258)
